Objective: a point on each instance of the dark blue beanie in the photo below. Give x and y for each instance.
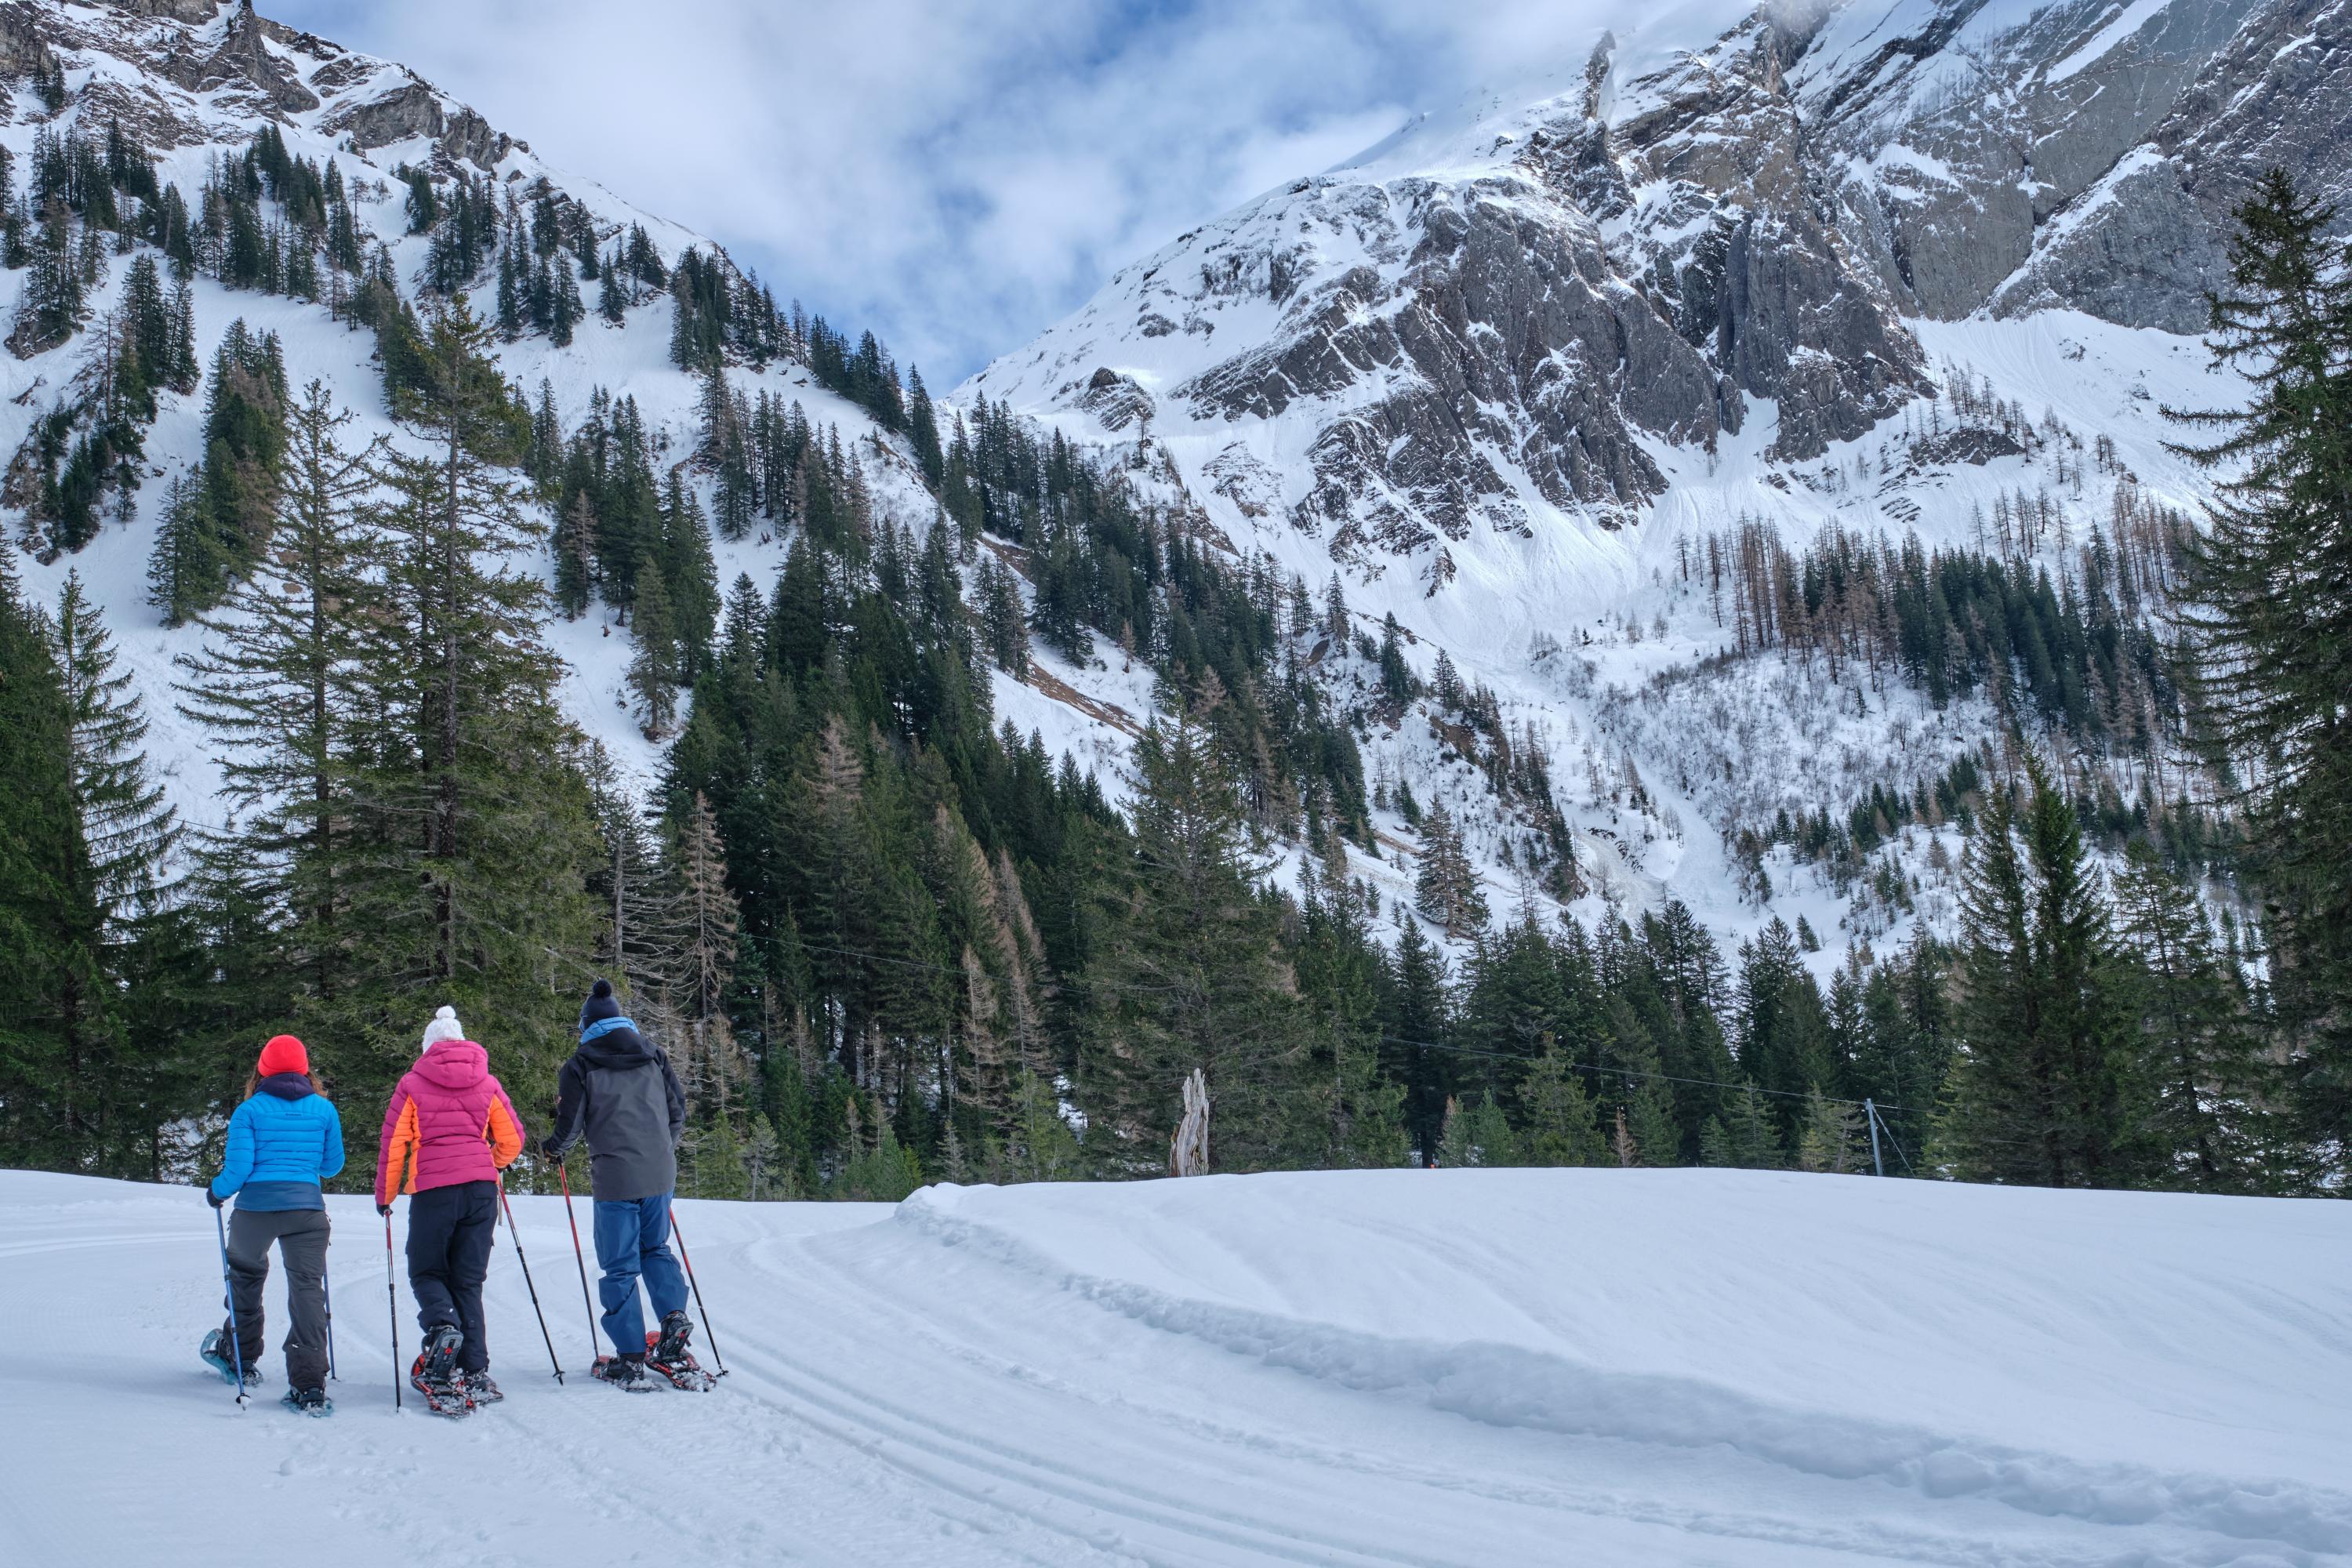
(600, 1005)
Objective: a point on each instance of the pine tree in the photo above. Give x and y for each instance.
(1415, 1019)
(188, 570)
(1745, 1137)
(2036, 1095)
(698, 918)
(128, 833)
(276, 686)
(1557, 1114)
(2273, 647)
(1445, 885)
(690, 576)
(575, 558)
(2198, 1061)
(1479, 1136)
(654, 667)
(1188, 973)
(474, 812)
(1829, 1135)
(48, 921)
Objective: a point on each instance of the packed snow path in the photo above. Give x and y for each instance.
(1397, 1367)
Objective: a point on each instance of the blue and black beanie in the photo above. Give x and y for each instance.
(600, 1005)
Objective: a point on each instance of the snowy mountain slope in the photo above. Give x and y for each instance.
(197, 77)
(1511, 373)
(1512, 370)
(1451, 1367)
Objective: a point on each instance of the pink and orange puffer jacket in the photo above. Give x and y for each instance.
(450, 1121)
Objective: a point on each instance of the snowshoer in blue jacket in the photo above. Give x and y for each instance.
(619, 1092)
(284, 1141)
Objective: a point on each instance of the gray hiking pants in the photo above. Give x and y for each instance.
(302, 1238)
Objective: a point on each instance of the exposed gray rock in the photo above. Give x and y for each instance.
(2142, 254)
(2143, 247)
(1630, 263)
(1117, 400)
(243, 58)
(414, 108)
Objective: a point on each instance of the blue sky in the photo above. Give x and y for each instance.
(954, 173)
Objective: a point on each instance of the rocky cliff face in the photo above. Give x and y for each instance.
(188, 72)
(1499, 320)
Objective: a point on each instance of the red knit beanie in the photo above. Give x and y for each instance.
(284, 1053)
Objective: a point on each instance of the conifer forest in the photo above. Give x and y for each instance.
(2098, 934)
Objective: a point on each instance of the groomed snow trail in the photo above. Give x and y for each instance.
(1378, 1368)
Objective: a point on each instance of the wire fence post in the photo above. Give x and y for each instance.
(1870, 1111)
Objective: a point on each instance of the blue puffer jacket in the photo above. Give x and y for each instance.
(283, 1142)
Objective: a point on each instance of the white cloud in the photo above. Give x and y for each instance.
(954, 174)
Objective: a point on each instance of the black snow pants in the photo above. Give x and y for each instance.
(302, 1238)
(450, 1230)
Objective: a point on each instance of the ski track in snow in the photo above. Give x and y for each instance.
(1361, 1368)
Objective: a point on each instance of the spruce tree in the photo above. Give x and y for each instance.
(1445, 885)
(126, 872)
(128, 834)
(2036, 1095)
(697, 915)
(188, 570)
(277, 687)
(1415, 1018)
(576, 557)
(1829, 1135)
(1479, 1135)
(1558, 1117)
(2205, 1089)
(1188, 973)
(2272, 640)
(654, 667)
(472, 811)
(48, 917)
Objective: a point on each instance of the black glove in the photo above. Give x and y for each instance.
(384, 1210)
(212, 1197)
(549, 1149)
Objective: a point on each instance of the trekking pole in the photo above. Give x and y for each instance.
(392, 1310)
(708, 1337)
(513, 1231)
(326, 1289)
(578, 1257)
(228, 1294)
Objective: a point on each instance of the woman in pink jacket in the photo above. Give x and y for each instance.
(449, 1131)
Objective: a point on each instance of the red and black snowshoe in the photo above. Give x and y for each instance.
(665, 1354)
(434, 1374)
(627, 1373)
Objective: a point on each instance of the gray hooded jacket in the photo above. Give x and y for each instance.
(620, 1094)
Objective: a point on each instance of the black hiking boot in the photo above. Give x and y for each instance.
(435, 1373)
(309, 1401)
(623, 1372)
(669, 1349)
(479, 1388)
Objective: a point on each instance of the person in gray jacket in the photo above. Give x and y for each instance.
(619, 1093)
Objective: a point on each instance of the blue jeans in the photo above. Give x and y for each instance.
(633, 1239)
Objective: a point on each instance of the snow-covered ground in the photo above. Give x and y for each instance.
(1396, 1367)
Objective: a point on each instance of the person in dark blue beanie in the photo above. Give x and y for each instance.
(619, 1094)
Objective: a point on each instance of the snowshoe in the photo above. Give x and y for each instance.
(217, 1356)
(309, 1401)
(480, 1389)
(667, 1354)
(627, 1373)
(434, 1374)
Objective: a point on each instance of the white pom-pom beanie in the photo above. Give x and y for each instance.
(444, 1026)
